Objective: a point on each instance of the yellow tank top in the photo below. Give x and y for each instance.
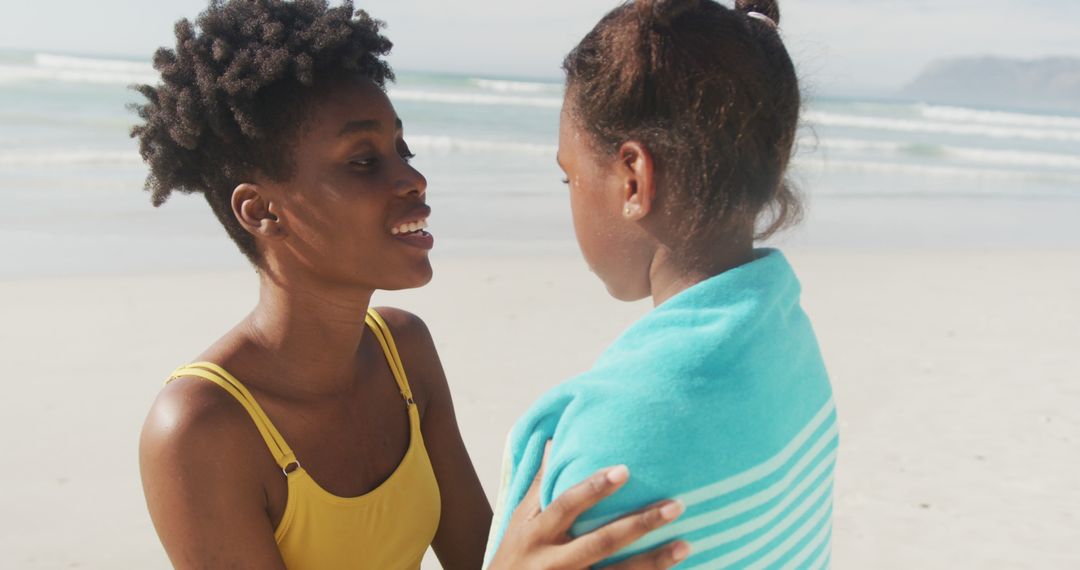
(388, 528)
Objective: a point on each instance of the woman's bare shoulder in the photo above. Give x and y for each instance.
(418, 354)
(193, 422)
(404, 324)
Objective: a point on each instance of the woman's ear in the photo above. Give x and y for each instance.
(256, 213)
(639, 190)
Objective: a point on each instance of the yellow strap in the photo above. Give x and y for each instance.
(382, 332)
(283, 455)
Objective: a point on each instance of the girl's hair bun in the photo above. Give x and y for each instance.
(768, 7)
(666, 11)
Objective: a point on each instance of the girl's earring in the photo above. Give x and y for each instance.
(626, 211)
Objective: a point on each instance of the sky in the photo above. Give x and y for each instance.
(840, 46)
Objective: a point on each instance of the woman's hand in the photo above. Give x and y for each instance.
(536, 539)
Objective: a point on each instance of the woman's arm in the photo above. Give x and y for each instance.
(200, 457)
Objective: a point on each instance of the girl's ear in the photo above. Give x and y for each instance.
(639, 188)
(256, 213)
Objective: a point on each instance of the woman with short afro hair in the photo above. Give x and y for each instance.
(318, 433)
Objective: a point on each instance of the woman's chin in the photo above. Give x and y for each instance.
(418, 276)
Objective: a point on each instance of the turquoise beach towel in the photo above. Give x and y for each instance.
(718, 397)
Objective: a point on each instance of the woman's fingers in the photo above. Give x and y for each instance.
(664, 557)
(591, 548)
(529, 507)
(563, 511)
(539, 538)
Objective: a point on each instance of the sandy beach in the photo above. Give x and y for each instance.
(956, 376)
(939, 254)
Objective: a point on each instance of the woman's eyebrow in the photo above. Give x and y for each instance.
(358, 127)
(352, 127)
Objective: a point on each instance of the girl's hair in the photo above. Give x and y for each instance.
(236, 89)
(711, 92)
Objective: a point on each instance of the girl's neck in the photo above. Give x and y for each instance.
(669, 275)
(309, 332)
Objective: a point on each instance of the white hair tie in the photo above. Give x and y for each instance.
(763, 18)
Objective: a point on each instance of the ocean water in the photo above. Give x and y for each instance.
(874, 173)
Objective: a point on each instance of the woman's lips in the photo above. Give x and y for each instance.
(413, 230)
(420, 239)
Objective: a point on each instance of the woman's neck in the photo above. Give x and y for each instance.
(309, 332)
(669, 275)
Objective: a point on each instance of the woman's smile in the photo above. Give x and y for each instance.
(411, 229)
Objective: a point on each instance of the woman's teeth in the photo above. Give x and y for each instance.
(409, 228)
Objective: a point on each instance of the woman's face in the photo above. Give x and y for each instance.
(615, 247)
(352, 208)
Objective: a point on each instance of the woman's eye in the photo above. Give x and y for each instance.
(566, 181)
(363, 162)
(408, 156)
